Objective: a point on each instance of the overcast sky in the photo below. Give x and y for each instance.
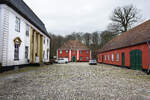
(67, 16)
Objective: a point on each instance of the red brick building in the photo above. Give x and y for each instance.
(75, 51)
(130, 49)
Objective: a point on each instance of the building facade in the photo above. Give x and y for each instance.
(23, 36)
(130, 49)
(75, 51)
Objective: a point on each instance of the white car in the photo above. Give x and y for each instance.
(61, 61)
(92, 62)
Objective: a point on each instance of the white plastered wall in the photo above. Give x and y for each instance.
(8, 51)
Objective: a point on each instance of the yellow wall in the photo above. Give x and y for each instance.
(31, 45)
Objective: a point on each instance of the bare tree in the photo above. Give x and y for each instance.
(87, 39)
(124, 18)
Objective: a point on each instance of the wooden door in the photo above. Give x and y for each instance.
(136, 59)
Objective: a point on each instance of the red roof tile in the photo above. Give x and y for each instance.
(73, 44)
(137, 35)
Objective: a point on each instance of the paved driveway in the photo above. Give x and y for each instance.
(75, 81)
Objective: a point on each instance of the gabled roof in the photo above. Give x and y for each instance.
(138, 35)
(73, 44)
(21, 7)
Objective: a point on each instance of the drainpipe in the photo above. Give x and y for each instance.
(148, 43)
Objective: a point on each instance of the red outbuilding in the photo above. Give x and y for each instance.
(75, 51)
(130, 49)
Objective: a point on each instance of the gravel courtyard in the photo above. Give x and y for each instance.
(74, 81)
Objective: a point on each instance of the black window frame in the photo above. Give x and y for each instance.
(26, 52)
(16, 52)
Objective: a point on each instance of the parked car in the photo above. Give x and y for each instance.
(56, 60)
(61, 61)
(92, 62)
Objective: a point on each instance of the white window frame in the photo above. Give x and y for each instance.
(66, 51)
(117, 57)
(87, 52)
(105, 57)
(60, 51)
(27, 30)
(112, 57)
(81, 58)
(87, 58)
(108, 57)
(80, 51)
(17, 25)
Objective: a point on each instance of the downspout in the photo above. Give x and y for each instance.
(148, 43)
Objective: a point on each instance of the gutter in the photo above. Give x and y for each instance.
(148, 43)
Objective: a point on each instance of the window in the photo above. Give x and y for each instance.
(81, 52)
(87, 51)
(81, 58)
(17, 26)
(47, 42)
(112, 57)
(99, 57)
(60, 51)
(66, 51)
(47, 54)
(27, 30)
(105, 57)
(108, 57)
(74, 52)
(117, 57)
(26, 52)
(87, 58)
(44, 40)
(16, 52)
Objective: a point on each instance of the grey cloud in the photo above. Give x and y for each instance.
(66, 16)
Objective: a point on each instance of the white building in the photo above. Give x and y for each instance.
(23, 36)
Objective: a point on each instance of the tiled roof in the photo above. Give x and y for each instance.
(21, 7)
(139, 34)
(73, 44)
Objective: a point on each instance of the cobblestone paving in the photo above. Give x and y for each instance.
(76, 81)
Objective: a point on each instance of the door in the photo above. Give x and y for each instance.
(136, 59)
(123, 59)
(73, 59)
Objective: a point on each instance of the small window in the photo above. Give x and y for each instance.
(26, 52)
(81, 52)
(87, 58)
(47, 54)
(47, 42)
(105, 57)
(17, 26)
(108, 57)
(44, 40)
(81, 58)
(87, 51)
(117, 57)
(74, 52)
(16, 52)
(27, 30)
(112, 57)
(66, 51)
(60, 51)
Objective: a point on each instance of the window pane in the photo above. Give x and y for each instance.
(17, 26)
